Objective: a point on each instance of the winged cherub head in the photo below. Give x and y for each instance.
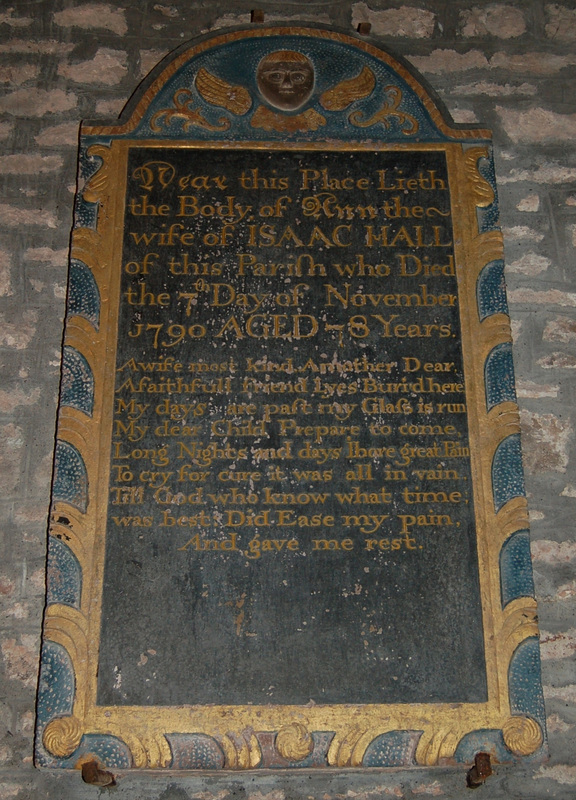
(285, 79)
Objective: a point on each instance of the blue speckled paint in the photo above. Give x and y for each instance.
(77, 385)
(499, 376)
(55, 694)
(491, 290)
(516, 568)
(482, 741)
(64, 574)
(109, 750)
(507, 473)
(56, 699)
(70, 476)
(194, 751)
(85, 213)
(525, 688)
(524, 681)
(88, 165)
(393, 749)
(83, 294)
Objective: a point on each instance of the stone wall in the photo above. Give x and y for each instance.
(511, 66)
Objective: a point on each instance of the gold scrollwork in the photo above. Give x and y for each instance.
(62, 736)
(436, 744)
(183, 101)
(149, 749)
(86, 242)
(522, 735)
(408, 124)
(520, 621)
(513, 516)
(241, 751)
(506, 420)
(348, 750)
(99, 182)
(294, 742)
(483, 192)
(68, 627)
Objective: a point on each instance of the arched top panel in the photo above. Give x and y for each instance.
(284, 83)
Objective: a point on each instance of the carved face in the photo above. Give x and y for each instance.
(285, 79)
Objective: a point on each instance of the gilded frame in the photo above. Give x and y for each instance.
(510, 724)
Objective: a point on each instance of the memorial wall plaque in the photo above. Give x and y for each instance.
(288, 525)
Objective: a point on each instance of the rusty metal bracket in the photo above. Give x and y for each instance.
(92, 774)
(481, 770)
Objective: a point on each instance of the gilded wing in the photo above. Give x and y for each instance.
(235, 99)
(345, 92)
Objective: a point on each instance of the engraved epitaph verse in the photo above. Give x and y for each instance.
(290, 508)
